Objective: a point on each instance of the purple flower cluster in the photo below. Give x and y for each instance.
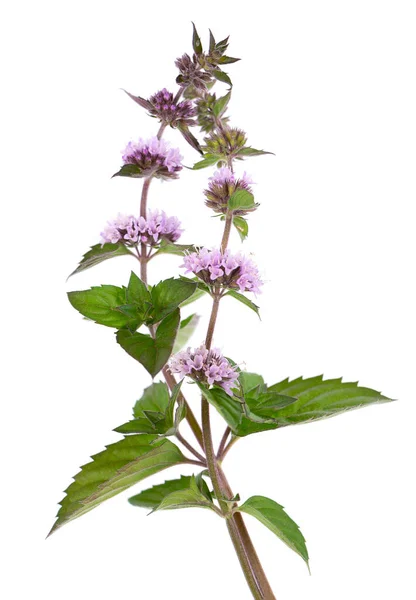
(129, 230)
(222, 185)
(205, 366)
(225, 269)
(153, 157)
(163, 106)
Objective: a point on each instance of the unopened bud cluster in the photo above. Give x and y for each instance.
(221, 186)
(163, 106)
(227, 142)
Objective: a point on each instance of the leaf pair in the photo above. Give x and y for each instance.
(262, 408)
(154, 412)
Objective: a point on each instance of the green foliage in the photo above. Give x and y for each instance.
(112, 471)
(152, 353)
(248, 151)
(241, 200)
(262, 408)
(242, 227)
(220, 105)
(274, 518)
(244, 300)
(196, 41)
(186, 329)
(318, 399)
(221, 76)
(129, 171)
(171, 248)
(101, 304)
(207, 161)
(98, 254)
(185, 492)
(153, 413)
(167, 295)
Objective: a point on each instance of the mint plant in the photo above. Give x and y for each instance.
(150, 327)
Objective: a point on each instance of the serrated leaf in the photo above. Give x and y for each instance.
(244, 300)
(115, 469)
(98, 254)
(167, 295)
(137, 292)
(186, 329)
(250, 381)
(319, 399)
(100, 304)
(196, 41)
(273, 516)
(221, 104)
(223, 77)
(241, 199)
(242, 227)
(154, 412)
(155, 496)
(152, 353)
(207, 161)
(129, 171)
(190, 497)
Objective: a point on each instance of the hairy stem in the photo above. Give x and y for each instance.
(227, 230)
(223, 442)
(191, 448)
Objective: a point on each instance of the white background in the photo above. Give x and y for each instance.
(329, 87)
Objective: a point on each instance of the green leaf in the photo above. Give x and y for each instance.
(198, 293)
(196, 41)
(98, 254)
(154, 401)
(221, 104)
(178, 249)
(152, 353)
(211, 42)
(275, 518)
(228, 60)
(180, 493)
(240, 414)
(186, 329)
(207, 161)
(221, 76)
(241, 199)
(137, 292)
(112, 471)
(187, 490)
(250, 382)
(167, 295)
(319, 399)
(241, 298)
(189, 137)
(100, 304)
(252, 152)
(242, 227)
(222, 45)
(129, 171)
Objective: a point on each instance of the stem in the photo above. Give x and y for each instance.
(223, 442)
(144, 259)
(227, 448)
(249, 561)
(227, 230)
(190, 417)
(191, 448)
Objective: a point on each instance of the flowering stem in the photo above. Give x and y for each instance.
(223, 442)
(191, 448)
(249, 561)
(227, 230)
(227, 448)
